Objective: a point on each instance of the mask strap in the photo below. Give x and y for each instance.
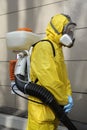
(68, 17)
(56, 31)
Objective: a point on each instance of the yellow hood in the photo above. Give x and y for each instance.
(58, 21)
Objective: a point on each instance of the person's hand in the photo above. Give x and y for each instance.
(68, 107)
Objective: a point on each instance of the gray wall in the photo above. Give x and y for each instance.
(36, 14)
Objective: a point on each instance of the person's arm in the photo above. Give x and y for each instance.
(43, 64)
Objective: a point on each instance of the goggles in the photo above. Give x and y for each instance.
(69, 29)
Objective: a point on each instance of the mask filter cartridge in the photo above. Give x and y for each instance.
(66, 40)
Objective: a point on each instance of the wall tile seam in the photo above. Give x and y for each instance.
(77, 92)
(76, 60)
(83, 123)
(33, 7)
(72, 60)
(5, 85)
(2, 37)
(43, 33)
(74, 92)
(4, 61)
(79, 28)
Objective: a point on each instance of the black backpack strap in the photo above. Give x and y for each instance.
(49, 42)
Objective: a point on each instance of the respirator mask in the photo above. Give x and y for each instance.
(67, 39)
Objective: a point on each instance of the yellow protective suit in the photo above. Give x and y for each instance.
(51, 73)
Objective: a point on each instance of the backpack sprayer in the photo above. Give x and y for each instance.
(22, 40)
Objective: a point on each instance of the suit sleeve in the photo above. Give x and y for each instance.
(43, 64)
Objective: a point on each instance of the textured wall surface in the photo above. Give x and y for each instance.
(36, 14)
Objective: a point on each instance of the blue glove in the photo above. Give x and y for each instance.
(68, 107)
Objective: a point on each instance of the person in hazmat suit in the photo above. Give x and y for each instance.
(50, 71)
